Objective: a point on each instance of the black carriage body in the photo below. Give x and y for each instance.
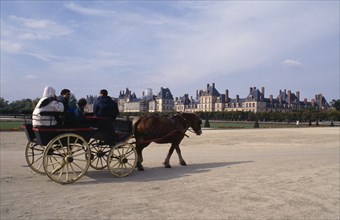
(45, 134)
(29, 132)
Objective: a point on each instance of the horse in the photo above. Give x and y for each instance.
(162, 130)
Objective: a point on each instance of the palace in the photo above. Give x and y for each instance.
(211, 100)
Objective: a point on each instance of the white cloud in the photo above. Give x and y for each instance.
(33, 23)
(30, 76)
(34, 29)
(10, 47)
(292, 63)
(89, 11)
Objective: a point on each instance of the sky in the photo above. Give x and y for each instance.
(86, 46)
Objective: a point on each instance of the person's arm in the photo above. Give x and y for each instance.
(58, 106)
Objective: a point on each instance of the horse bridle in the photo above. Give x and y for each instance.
(187, 127)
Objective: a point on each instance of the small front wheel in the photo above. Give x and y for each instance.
(122, 159)
(99, 151)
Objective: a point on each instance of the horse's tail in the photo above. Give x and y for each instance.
(135, 123)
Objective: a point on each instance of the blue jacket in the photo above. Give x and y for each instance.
(104, 106)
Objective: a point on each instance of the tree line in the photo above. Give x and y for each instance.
(26, 106)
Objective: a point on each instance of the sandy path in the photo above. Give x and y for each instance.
(236, 174)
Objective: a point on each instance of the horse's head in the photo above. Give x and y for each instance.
(193, 121)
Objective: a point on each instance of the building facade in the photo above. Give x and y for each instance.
(211, 100)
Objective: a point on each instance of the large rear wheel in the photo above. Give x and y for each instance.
(122, 159)
(66, 158)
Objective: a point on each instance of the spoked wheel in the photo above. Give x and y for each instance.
(99, 152)
(66, 158)
(34, 154)
(122, 159)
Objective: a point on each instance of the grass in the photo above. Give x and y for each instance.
(247, 125)
(10, 125)
(15, 125)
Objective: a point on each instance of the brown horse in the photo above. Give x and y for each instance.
(164, 129)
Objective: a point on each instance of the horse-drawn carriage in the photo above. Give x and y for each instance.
(65, 154)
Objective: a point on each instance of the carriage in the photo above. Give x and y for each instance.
(65, 154)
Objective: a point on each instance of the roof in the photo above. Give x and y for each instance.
(165, 94)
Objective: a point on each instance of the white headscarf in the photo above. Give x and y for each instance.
(48, 92)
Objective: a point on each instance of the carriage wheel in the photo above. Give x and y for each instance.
(122, 159)
(34, 154)
(99, 153)
(66, 158)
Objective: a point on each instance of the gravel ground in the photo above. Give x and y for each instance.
(231, 174)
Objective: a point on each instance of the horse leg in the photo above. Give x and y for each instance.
(181, 160)
(139, 150)
(167, 159)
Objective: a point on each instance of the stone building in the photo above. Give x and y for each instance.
(207, 98)
(211, 100)
(186, 104)
(163, 102)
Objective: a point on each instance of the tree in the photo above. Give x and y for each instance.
(336, 104)
(3, 104)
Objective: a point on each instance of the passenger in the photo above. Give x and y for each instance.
(106, 110)
(47, 103)
(78, 112)
(72, 103)
(104, 106)
(64, 97)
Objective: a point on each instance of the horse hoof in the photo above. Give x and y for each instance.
(183, 163)
(140, 168)
(167, 166)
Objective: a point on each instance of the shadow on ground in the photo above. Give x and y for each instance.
(154, 173)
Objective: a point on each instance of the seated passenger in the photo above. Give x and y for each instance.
(78, 113)
(104, 106)
(72, 102)
(106, 110)
(47, 103)
(64, 98)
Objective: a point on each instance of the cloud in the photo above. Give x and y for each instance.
(10, 47)
(32, 23)
(89, 11)
(31, 77)
(34, 29)
(292, 63)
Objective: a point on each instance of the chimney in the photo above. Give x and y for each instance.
(305, 101)
(262, 93)
(298, 95)
(320, 100)
(208, 86)
(250, 90)
(280, 99)
(237, 98)
(289, 97)
(213, 85)
(312, 102)
(226, 95)
(271, 98)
